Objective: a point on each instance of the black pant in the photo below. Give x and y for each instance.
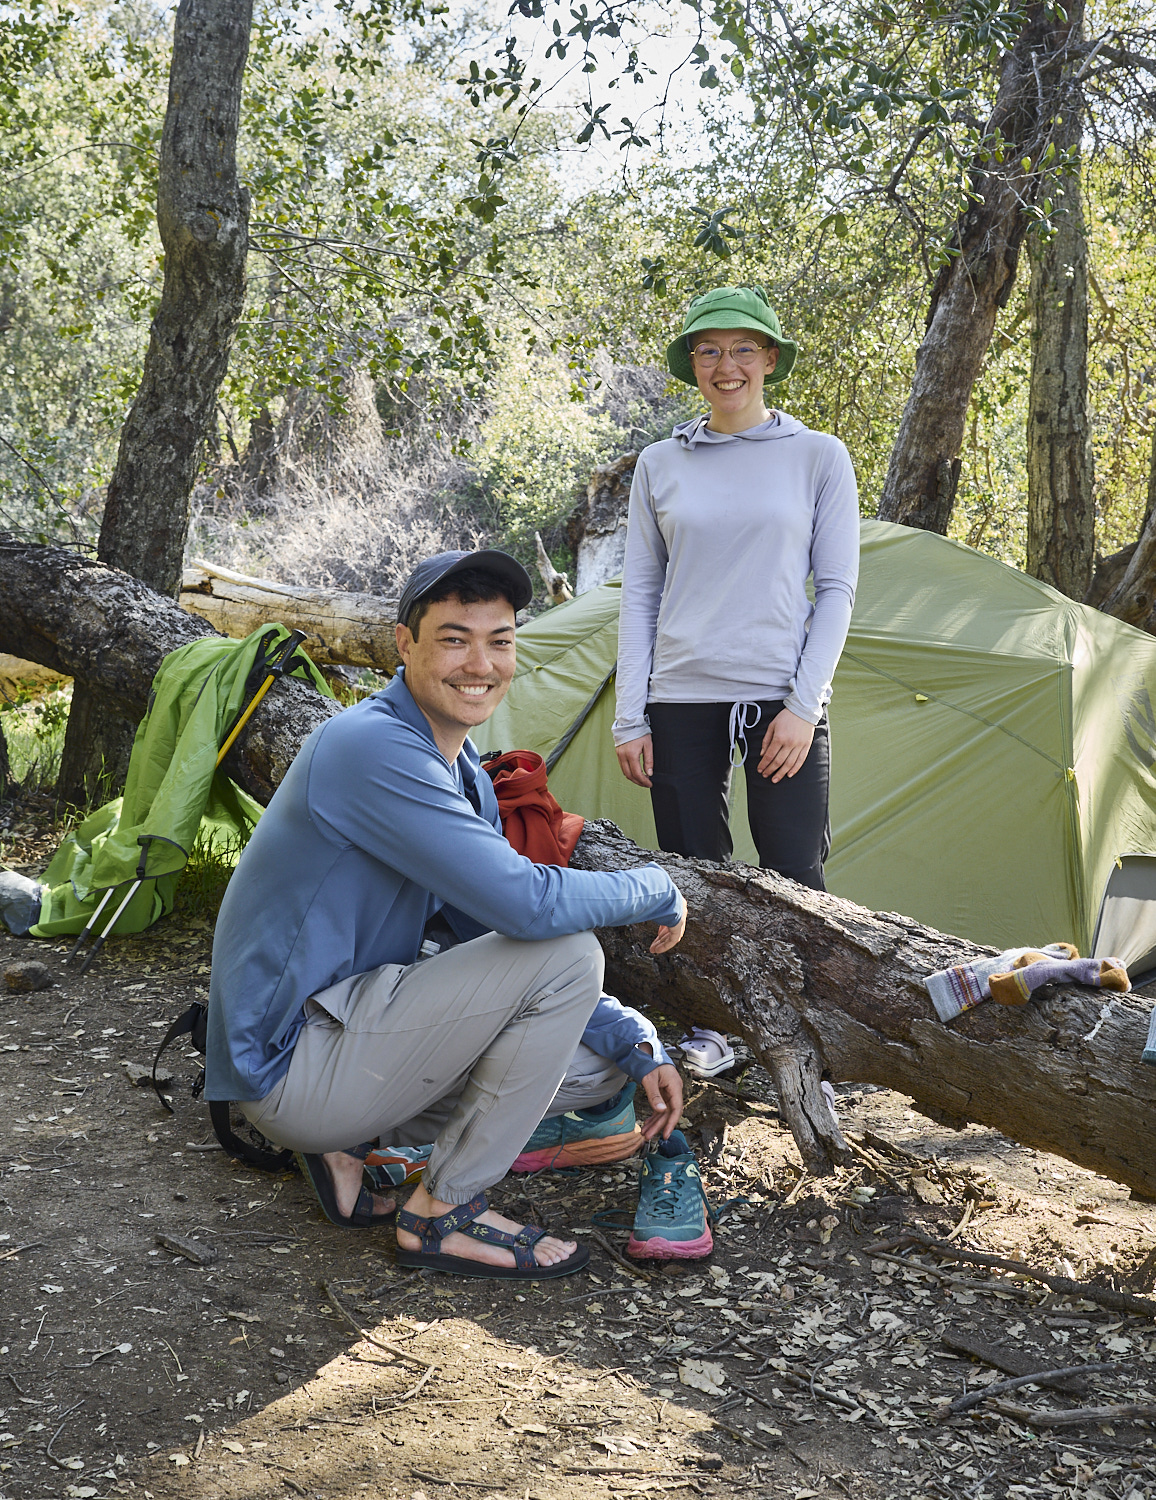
(691, 785)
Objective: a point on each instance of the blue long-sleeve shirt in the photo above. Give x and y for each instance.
(371, 832)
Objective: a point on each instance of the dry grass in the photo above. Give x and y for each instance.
(360, 521)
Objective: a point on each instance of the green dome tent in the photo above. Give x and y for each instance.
(993, 743)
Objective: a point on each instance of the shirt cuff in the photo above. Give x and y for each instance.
(632, 730)
(802, 710)
(637, 1063)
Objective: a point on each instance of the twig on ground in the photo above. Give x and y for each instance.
(415, 1390)
(806, 1383)
(472, 1484)
(1078, 1415)
(740, 1436)
(1010, 1360)
(964, 1221)
(1103, 1296)
(60, 1429)
(395, 1349)
(965, 1283)
(19, 1249)
(600, 1239)
(997, 1388)
(873, 1160)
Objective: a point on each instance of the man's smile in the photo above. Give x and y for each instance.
(472, 690)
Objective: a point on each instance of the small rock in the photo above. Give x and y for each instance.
(926, 1191)
(143, 1077)
(24, 978)
(200, 1255)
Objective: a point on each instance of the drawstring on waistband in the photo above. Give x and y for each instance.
(740, 722)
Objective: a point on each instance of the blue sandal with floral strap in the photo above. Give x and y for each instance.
(462, 1219)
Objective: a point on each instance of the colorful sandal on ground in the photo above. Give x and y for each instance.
(316, 1174)
(462, 1219)
(706, 1053)
(393, 1166)
(673, 1218)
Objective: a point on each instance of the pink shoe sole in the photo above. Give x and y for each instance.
(659, 1249)
(593, 1153)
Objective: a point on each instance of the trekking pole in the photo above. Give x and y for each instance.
(277, 667)
(89, 925)
(144, 841)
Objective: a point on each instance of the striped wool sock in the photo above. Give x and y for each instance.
(1016, 987)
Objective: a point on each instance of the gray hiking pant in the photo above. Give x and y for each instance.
(468, 1049)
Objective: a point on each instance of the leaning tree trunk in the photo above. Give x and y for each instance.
(1133, 596)
(1061, 532)
(203, 216)
(976, 281)
(813, 982)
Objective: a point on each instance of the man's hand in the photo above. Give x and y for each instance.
(785, 745)
(663, 1088)
(636, 758)
(670, 937)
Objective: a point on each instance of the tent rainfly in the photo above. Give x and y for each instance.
(993, 742)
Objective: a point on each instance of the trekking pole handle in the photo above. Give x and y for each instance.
(277, 668)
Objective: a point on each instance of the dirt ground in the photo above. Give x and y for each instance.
(798, 1362)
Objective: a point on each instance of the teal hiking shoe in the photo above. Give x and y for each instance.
(584, 1137)
(672, 1221)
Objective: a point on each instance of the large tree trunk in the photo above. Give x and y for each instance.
(341, 629)
(976, 281)
(203, 216)
(814, 983)
(1061, 533)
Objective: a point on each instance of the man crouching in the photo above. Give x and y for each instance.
(324, 1026)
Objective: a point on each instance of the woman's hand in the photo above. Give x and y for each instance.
(663, 1089)
(636, 758)
(670, 937)
(785, 745)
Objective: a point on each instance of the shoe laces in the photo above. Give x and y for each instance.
(668, 1181)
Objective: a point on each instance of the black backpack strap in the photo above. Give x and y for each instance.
(191, 1023)
(242, 1151)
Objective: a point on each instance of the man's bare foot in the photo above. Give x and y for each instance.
(547, 1251)
(345, 1172)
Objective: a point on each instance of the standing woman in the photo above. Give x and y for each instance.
(720, 652)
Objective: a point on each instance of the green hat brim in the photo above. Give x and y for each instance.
(732, 308)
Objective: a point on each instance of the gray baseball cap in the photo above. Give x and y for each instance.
(445, 564)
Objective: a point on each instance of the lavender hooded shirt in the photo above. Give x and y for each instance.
(724, 530)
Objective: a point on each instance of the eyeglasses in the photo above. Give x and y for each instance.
(745, 352)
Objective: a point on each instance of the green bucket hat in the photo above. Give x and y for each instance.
(731, 307)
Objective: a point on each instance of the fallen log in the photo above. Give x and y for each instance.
(812, 982)
(111, 632)
(341, 629)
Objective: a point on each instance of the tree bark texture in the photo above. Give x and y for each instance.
(1133, 596)
(814, 983)
(976, 281)
(203, 216)
(1106, 574)
(111, 632)
(1061, 532)
(341, 629)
